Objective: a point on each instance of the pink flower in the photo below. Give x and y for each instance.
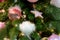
(14, 12)
(32, 1)
(2, 25)
(54, 37)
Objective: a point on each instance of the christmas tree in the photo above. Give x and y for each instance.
(29, 19)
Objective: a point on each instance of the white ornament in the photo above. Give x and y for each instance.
(55, 3)
(15, 0)
(27, 28)
(37, 13)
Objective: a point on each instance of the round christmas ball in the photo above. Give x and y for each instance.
(54, 37)
(32, 1)
(2, 25)
(55, 3)
(1, 0)
(14, 13)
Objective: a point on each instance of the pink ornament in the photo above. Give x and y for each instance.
(32, 1)
(37, 13)
(59, 36)
(2, 25)
(14, 12)
(2, 0)
(54, 37)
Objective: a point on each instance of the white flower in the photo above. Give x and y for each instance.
(37, 13)
(55, 3)
(27, 27)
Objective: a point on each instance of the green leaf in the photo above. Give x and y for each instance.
(3, 33)
(8, 26)
(13, 33)
(30, 17)
(35, 36)
(16, 23)
(54, 11)
(56, 25)
(39, 6)
(23, 38)
(38, 24)
(3, 16)
(21, 4)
